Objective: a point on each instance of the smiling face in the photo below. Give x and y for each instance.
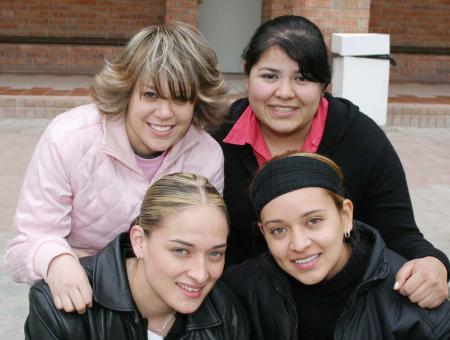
(304, 231)
(183, 258)
(281, 98)
(153, 123)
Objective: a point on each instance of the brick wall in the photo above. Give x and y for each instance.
(69, 19)
(331, 16)
(412, 22)
(336, 16)
(419, 26)
(275, 8)
(78, 18)
(420, 68)
(48, 58)
(181, 10)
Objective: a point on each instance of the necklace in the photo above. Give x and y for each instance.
(163, 330)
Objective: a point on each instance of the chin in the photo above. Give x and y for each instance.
(309, 280)
(188, 308)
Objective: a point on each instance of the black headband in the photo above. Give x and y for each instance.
(288, 174)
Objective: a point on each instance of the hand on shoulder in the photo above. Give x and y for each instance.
(424, 281)
(69, 284)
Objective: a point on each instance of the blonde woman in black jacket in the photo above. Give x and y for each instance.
(326, 276)
(159, 280)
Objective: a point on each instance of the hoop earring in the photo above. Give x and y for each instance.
(347, 233)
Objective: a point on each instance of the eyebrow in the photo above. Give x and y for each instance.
(302, 216)
(274, 70)
(267, 68)
(187, 244)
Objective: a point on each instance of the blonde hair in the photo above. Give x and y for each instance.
(174, 56)
(173, 193)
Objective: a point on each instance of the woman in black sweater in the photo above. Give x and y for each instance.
(326, 276)
(288, 108)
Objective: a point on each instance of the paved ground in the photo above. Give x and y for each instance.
(424, 153)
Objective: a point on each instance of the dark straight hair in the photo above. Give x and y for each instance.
(299, 38)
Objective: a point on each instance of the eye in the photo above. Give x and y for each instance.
(150, 95)
(269, 76)
(278, 231)
(314, 221)
(300, 78)
(216, 255)
(180, 251)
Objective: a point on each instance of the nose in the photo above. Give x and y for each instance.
(199, 271)
(285, 89)
(165, 109)
(299, 241)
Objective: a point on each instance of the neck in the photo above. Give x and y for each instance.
(148, 156)
(279, 143)
(149, 305)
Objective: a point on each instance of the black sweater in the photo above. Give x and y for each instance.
(373, 177)
(320, 305)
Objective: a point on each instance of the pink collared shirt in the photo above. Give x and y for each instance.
(246, 130)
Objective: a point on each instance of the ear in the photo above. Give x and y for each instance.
(261, 229)
(347, 215)
(137, 237)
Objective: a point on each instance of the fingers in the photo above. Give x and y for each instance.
(86, 293)
(424, 281)
(75, 300)
(431, 301)
(67, 303)
(69, 284)
(412, 284)
(78, 301)
(57, 302)
(403, 275)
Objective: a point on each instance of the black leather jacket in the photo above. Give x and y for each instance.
(114, 314)
(373, 311)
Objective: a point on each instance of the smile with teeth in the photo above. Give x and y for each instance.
(188, 288)
(307, 260)
(283, 109)
(161, 128)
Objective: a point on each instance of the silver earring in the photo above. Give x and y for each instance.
(347, 233)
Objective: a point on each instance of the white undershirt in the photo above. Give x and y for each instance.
(153, 336)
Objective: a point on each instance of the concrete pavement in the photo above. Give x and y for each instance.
(424, 153)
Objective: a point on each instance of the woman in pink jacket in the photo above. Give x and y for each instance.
(93, 164)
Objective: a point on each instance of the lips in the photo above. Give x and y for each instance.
(282, 111)
(306, 263)
(307, 259)
(160, 128)
(190, 290)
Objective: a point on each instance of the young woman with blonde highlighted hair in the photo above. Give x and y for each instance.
(93, 164)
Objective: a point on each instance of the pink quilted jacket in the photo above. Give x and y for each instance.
(83, 187)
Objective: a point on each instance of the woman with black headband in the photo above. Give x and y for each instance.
(325, 276)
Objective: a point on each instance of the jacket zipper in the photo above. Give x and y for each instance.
(294, 328)
(350, 304)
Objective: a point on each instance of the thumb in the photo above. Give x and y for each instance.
(403, 275)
